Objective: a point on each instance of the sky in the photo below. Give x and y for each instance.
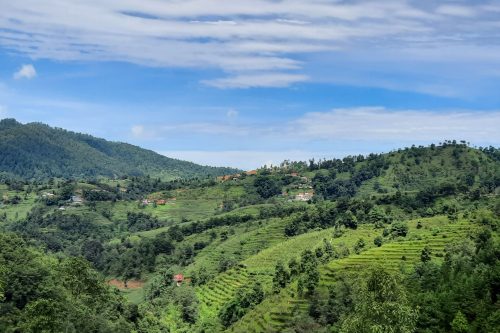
(247, 83)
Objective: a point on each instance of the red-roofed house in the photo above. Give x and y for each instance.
(179, 278)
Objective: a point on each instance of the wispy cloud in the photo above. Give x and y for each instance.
(25, 72)
(370, 125)
(275, 80)
(260, 43)
(336, 133)
(380, 124)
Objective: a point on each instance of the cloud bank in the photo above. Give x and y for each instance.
(258, 43)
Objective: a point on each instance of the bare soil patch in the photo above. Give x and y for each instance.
(131, 284)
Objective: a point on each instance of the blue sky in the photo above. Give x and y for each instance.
(244, 83)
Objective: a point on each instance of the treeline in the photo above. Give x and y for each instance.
(348, 213)
(331, 188)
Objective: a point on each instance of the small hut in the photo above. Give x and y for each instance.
(178, 279)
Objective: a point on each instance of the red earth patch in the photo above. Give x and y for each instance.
(131, 284)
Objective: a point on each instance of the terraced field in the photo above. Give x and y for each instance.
(20, 210)
(260, 235)
(275, 311)
(260, 267)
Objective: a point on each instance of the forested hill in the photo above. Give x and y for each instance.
(37, 151)
(402, 242)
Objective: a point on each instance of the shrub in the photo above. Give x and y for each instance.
(399, 229)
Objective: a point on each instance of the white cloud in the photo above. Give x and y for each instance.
(456, 10)
(381, 124)
(335, 133)
(232, 113)
(273, 80)
(138, 131)
(362, 124)
(256, 43)
(25, 72)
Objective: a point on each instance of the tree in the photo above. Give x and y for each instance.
(186, 300)
(377, 216)
(267, 186)
(309, 278)
(281, 277)
(329, 250)
(378, 241)
(349, 220)
(92, 250)
(381, 305)
(245, 299)
(359, 246)
(294, 267)
(399, 229)
(459, 323)
(425, 256)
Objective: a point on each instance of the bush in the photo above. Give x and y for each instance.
(399, 229)
(359, 246)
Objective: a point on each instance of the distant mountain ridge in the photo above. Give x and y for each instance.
(38, 151)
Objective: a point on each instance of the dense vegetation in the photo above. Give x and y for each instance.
(37, 151)
(406, 241)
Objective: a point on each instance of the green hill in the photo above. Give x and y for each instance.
(406, 241)
(37, 151)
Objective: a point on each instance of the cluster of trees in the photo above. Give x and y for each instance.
(245, 299)
(58, 231)
(142, 222)
(216, 221)
(305, 270)
(39, 293)
(345, 213)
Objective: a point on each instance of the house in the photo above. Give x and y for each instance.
(305, 196)
(161, 202)
(47, 195)
(76, 199)
(229, 177)
(178, 279)
(251, 172)
(294, 174)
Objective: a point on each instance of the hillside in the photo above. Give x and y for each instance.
(406, 241)
(37, 151)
